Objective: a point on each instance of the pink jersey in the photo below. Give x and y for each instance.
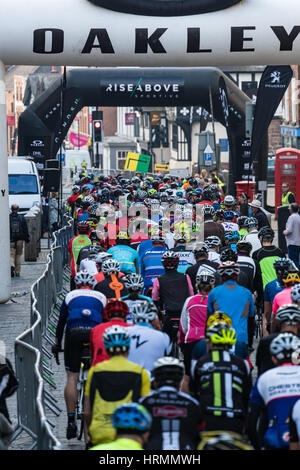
(193, 319)
(282, 298)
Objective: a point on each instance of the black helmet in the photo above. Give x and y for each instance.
(228, 255)
(201, 251)
(244, 248)
(241, 220)
(168, 371)
(266, 234)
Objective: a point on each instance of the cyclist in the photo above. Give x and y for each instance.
(275, 391)
(229, 224)
(242, 227)
(126, 256)
(212, 228)
(193, 317)
(105, 391)
(132, 423)
(290, 278)
(112, 287)
(287, 320)
(75, 245)
(176, 415)
(151, 265)
(114, 313)
(202, 264)
(213, 244)
(134, 284)
(170, 292)
(221, 382)
(100, 257)
(89, 262)
(186, 257)
(231, 239)
(80, 311)
(147, 344)
(237, 302)
(251, 223)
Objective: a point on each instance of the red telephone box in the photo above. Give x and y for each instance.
(287, 170)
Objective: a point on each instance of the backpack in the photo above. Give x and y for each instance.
(15, 226)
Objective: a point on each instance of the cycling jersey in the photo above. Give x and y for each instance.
(176, 419)
(127, 258)
(171, 290)
(263, 356)
(131, 304)
(265, 258)
(222, 384)
(295, 422)
(214, 256)
(203, 265)
(186, 258)
(282, 298)
(110, 384)
(193, 319)
(230, 226)
(147, 345)
(237, 303)
(97, 349)
(85, 252)
(151, 265)
(252, 238)
(277, 390)
(75, 245)
(271, 289)
(121, 443)
(112, 287)
(248, 268)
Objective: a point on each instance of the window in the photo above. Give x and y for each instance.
(121, 159)
(22, 184)
(175, 137)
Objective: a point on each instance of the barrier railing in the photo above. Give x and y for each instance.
(32, 366)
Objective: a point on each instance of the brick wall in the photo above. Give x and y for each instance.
(275, 141)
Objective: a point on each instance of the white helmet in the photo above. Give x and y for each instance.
(284, 345)
(144, 312)
(110, 266)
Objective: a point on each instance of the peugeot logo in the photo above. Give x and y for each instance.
(165, 7)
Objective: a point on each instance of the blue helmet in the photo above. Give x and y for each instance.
(116, 339)
(131, 416)
(232, 235)
(228, 215)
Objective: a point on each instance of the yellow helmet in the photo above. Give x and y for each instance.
(218, 317)
(292, 277)
(221, 333)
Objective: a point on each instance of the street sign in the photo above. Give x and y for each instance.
(137, 162)
(208, 155)
(160, 167)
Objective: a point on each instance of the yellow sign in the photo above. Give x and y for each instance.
(137, 162)
(160, 167)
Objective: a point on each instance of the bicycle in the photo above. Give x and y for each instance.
(83, 372)
(258, 322)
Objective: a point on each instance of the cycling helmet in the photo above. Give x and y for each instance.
(89, 199)
(201, 251)
(282, 265)
(218, 317)
(144, 311)
(103, 255)
(291, 275)
(116, 339)
(134, 282)
(83, 227)
(75, 189)
(232, 235)
(284, 345)
(170, 260)
(295, 293)
(131, 416)
(219, 214)
(208, 210)
(207, 194)
(94, 250)
(168, 371)
(83, 278)
(244, 248)
(266, 234)
(205, 277)
(241, 220)
(115, 309)
(251, 222)
(229, 200)
(93, 210)
(212, 242)
(228, 215)
(222, 440)
(110, 266)
(288, 314)
(221, 333)
(228, 255)
(229, 269)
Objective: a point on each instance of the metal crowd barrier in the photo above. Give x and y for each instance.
(32, 366)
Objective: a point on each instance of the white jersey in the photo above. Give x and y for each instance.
(88, 265)
(147, 345)
(214, 256)
(254, 240)
(230, 227)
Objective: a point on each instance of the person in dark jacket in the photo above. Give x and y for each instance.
(259, 214)
(18, 234)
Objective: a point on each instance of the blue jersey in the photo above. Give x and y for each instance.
(271, 289)
(127, 257)
(237, 302)
(82, 308)
(151, 265)
(143, 247)
(277, 389)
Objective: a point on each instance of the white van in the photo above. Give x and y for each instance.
(23, 183)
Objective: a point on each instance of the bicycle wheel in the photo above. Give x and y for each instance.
(81, 428)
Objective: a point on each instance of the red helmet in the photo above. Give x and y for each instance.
(115, 309)
(83, 227)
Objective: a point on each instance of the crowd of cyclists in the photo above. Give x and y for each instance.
(171, 281)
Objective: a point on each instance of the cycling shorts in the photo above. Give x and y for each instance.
(75, 338)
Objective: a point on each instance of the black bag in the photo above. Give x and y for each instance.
(15, 226)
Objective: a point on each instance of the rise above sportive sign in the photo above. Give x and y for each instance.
(178, 33)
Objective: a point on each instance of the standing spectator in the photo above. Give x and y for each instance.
(243, 204)
(259, 214)
(53, 212)
(18, 233)
(292, 233)
(287, 197)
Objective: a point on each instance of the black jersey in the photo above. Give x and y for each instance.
(203, 265)
(222, 384)
(176, 420)
(173, 291)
